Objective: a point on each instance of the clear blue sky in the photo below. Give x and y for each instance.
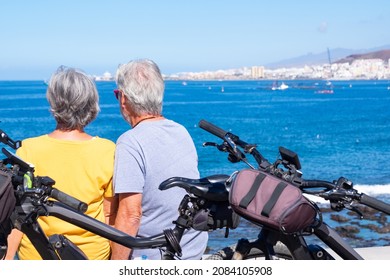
(37, 36)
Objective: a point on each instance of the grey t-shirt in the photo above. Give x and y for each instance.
(147, 155)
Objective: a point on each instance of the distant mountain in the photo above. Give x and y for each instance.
(382, 54)
(336, 55)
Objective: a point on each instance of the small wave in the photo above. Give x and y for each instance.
(377, 191)
(23, 96)
(31, 108)
(374, 190)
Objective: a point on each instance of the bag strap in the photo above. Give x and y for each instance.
(252, 192)
(273, 199)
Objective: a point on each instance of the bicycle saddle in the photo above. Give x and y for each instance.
(212, 188)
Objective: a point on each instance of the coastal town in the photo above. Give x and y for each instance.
(358, 69)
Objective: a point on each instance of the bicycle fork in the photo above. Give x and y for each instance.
(288, 246)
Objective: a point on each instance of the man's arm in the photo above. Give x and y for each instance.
(127, 220)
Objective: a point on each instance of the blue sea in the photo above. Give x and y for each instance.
(342, 134)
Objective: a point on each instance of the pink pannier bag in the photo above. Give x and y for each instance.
(269, 201)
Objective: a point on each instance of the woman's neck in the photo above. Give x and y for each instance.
(70, 135)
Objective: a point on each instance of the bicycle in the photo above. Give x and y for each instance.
(274, 244)
(35, 196)
(205, 207)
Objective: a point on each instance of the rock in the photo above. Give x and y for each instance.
(339, 218)
(348, 231)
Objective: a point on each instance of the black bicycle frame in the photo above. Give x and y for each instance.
(335, 242)
(31, 228)
(300, 250)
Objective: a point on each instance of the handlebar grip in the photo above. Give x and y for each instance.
(375, 203)
(213, 129)
(69, 200)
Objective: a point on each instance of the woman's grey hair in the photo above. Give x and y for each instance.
(143, 85)
(73, 98)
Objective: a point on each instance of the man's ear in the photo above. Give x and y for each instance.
(125, 106)
(123, 101)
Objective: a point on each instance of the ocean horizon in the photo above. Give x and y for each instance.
(346, 133)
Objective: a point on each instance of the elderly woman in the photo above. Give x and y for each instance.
(80, 164)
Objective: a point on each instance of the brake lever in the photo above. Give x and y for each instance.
(343, 198)
(210, 144)
(228, 145)
(8, 141)
(355, 209)
(223, 147)
(233, 150)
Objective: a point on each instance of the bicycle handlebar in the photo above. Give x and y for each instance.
(69, 200)
(375, 203)
(341, 192)
(213, 129)
(42, 188)
(231, 141)
(41, 184)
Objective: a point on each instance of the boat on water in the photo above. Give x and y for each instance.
(282, 86)
(327, 89)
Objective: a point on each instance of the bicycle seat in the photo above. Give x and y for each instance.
(212, 188)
